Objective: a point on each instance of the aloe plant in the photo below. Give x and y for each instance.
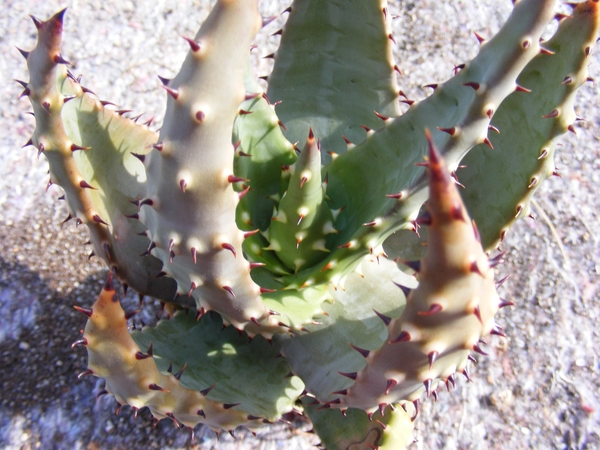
(268, 221)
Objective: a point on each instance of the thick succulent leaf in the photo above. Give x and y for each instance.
(318, 355)
(334, 67)
(261, 152)
(523, 154)
(297, 232)
(89, 151)
(248, 372)
(463, 106)
(355, 430)
(445, 316)
(133, 378)
(190, 211)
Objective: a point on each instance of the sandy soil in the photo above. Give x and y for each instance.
(539, 388)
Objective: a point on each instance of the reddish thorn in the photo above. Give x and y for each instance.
(234, 179)
(472, 359)
(156, 387)
(38, 23)
(457, 211)
(229, 405)
(82, 341)
(178, 374)
(452, 382)
(24, 53)
(450, 131)
(477, 312)
(192, 289)
(75, 147)
(487, 142)
(391, 38)
(346, 140)
(432, 86)
(432, 356)
(370, 224)
(472, 84)
(493, 128)
(474, 268)
(479, 37)
(200, 412)
(241, 153)
(396, 196)
(87, 312)
(362, 351)
(303, 181)
(194, 46)
(408, 102)
(158, 146)
(433, 309)
(386, 320)
(389, 386)
(269, 56)
(519, 88)
(504, 303)
(58, 59)
(242, 194)
(194, 252)
(255, 321)
(280, 123)
(497, 330)
(552, 114)
(556, 174)
(397, 69)
(85, 373)
(341, 392)
(427, 383)
(351, 375)
(465, 372)
(571, 128)
(243, 112)
(489, 113)
(200, 116)
(381, 116)
(46, 106)
(230, 290)
(479, 350)
(247, 234)
(139, 355)
(231, 248)
(405, 289)
(84, 184)
(346, 245)
(266, 291)
(172, 92)
(501, 282)
(98, 219)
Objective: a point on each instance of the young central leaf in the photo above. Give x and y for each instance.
(297, 231)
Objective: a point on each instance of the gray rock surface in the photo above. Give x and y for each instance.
(539, 388)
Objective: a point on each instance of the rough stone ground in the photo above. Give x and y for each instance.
(539, 388)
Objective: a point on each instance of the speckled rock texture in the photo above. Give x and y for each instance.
(539, 388)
